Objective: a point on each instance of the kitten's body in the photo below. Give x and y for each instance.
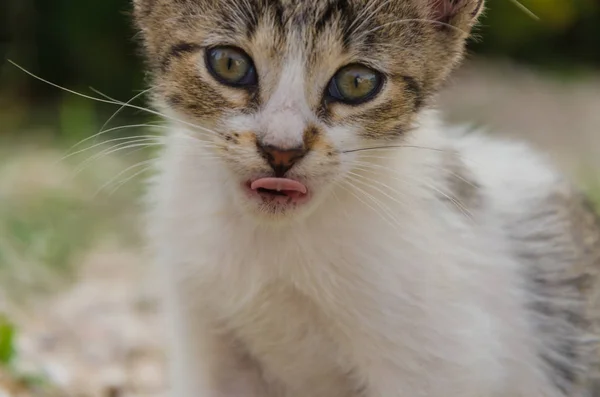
(448, 266)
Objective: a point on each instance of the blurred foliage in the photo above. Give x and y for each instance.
(593, 192)
(7, 341)
(78, 44)
(54, 208)
(565, 35)
(13, 380)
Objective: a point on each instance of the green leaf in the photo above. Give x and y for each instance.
(7, 339)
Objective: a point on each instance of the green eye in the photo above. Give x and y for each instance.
(231, 66)
(355, 84)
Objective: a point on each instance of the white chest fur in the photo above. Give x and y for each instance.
(345, 302)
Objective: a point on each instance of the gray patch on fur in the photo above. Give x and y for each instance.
(558, 242)
(462, 189)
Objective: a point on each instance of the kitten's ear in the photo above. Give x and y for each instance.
(453, 21)
(459, 13)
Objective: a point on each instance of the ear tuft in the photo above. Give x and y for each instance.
(456, 12)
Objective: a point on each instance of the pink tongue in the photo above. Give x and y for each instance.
(279, 184)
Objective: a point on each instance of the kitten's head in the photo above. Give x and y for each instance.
(289, 87)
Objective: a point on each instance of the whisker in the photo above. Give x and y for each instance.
(526, 10)
(118, 110)
(241, 14)
(67, 154)
(352, 28)
(111, 101)
(386, 209)
(138, 173)
(392, 147)
(113, 179)
(116, 129)
(128, 179)
(431, 21)
(140, 143)
(457, 203)
(395, 147)
(205, 131)
(395, 199)
(392, 191)
(337, 199)
(137, 139)
(442, 169)
(61, 88)
(351, 192)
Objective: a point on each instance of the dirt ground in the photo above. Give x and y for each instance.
(103, 336)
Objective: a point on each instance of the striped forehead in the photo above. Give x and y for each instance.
(355, 24)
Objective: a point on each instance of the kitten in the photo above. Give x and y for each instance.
(320, 234)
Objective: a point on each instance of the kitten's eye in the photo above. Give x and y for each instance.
(231, 66)
(355, 84)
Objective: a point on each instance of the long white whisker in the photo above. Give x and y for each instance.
(352, 27)
(374, 209)
(111, 180)
(129, 178)
(457, 203)
(431, 21)
(390, 147)
(137, 143)
(136, 139)
(369, 184)
(140, 143)
(525, 9)
(370, 4)
(377, 202)
(145, 169)
(112, 102)
(115, 129)
(156, 137)
(392, 194)
(205, 131)
(118, 110)
(388, 169)
(394, 148)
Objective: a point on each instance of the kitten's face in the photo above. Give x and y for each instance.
(289, 87)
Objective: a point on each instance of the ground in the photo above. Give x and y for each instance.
(100, 334)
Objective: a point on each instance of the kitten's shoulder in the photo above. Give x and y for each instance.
(521, 182)
(553, 230)
(511, 170)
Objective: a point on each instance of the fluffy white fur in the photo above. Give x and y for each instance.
(403, 295)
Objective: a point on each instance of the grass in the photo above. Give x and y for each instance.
(7, 341)
(50, 215)
(594, 194)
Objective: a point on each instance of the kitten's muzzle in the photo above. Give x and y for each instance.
(281, 159)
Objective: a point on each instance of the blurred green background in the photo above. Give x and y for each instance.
(63, 213)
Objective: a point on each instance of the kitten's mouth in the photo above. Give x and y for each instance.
(279, 190)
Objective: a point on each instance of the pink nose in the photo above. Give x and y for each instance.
(281, 160)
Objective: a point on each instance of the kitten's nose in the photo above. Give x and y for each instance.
(280, 159)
